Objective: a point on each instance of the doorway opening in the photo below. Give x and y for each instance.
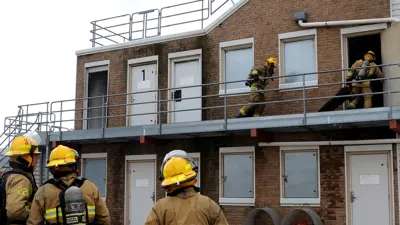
(97, 87)
(357, 47)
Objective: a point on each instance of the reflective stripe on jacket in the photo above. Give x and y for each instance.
(52, 213)
(46, 200)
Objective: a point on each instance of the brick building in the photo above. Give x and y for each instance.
(334, 163)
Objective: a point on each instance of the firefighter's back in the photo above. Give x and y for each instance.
(47, 199)
(187, 208)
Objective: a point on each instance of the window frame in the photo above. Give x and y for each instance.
(95, 156)
(299, 201)
(246, 150)
(228, 46)
(302, 35)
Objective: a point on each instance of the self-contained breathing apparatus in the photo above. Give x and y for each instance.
(72, 204)
(268, 72)
(362, 73)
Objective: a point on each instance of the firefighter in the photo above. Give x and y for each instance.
(258, 80)
(184, 204)
(84, 203)
(365, 85)
(18, 185)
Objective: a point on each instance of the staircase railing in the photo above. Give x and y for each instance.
(7, 134)
(4, 160)
(22, 123)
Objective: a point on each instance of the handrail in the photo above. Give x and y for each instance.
(303, 88)
(57, 116)
(4, 160)
(4, 132)
(125, 30)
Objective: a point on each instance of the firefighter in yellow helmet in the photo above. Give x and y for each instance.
(258, 79)
(18, 185)
(184, 204)
(67, 197)
(363, 74)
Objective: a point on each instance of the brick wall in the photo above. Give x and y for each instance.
(263, 21)
(332, 184)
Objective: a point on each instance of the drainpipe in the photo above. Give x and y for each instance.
(301, 19)
(398, 169)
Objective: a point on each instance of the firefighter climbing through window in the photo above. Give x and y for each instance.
(258, 79)
(67, 198)
(18, 186)
(364, 86)
(184, 204)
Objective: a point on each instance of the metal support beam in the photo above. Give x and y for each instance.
(395, 126)
(261, 135)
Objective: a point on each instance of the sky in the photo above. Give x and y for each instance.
(38, 40)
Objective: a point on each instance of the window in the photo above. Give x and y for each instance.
(300, 175)
(298, 55)
(237, 165)
(94, 168)
(236, 61)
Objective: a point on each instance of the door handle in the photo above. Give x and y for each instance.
(153, 196)
(353, 197)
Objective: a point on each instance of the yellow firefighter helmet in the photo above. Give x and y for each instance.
(370, 53)
(22, 149)
(271, 60)
(62, 155)
(178, 169)
(23, 145)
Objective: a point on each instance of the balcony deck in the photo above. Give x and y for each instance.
(346, 119)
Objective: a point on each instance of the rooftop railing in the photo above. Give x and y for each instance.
(156, 22)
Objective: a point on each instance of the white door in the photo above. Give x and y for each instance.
(187, 73)
(142, 191)
(143, 79)
(390, 46)
(369, 194)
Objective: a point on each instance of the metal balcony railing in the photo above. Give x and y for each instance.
(155, 22)
(300, 100)
(67, 115)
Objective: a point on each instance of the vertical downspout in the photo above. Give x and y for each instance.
(398, 174)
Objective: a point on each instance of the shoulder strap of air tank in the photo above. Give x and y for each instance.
(78, 182)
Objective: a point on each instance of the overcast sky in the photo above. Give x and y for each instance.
(38, 42)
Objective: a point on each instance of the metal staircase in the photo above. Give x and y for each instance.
(23, 122)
